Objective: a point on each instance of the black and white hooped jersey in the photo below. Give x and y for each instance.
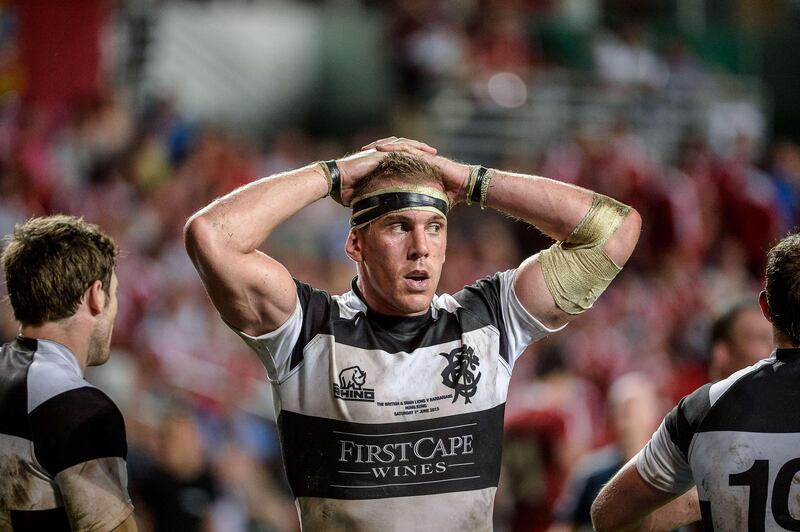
(738, 440)
(394, 423)
(62, 444)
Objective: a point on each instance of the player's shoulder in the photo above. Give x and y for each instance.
(706, 408)
(55, 373)
(486, 296)
(726, 387)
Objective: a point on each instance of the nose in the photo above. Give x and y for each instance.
(418, 247)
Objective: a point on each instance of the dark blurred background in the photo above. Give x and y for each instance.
(136, 113)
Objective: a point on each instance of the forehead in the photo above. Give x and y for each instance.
(411, 216)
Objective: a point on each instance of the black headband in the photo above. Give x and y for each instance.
(367, 209)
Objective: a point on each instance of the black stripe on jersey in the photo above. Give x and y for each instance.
(787, 355)
(482, 299)
(343, 460)
(684, 420)
(317, 308)
(15, 359)
(366, 332)
(54, 520)
(76, 426)
(762, 401)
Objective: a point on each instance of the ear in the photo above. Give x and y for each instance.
(353, 246)
(762, 302)
(95, 298)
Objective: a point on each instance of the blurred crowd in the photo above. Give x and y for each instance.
(204, 453)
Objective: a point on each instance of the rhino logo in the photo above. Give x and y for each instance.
(352, 377)
(351, 386)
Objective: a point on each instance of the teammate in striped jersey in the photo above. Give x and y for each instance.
(736, 440)
(62, 441)
(390, 398)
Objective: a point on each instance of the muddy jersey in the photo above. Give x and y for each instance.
(62, 444)
(738, 441)
(394, 423)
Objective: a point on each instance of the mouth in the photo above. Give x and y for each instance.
(418, 280)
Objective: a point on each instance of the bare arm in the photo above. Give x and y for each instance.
(629, 503)
(252, 291)
(555, 208)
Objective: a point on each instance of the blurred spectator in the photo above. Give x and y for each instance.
(740, 337)
(178, 492)
(625, 60)
(548, 427)
(635, 409)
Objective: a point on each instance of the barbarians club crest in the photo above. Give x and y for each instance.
(459, 374)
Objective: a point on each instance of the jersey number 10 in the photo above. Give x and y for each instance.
(757, 478)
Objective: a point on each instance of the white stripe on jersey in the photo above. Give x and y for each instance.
(662, 465)
(443, 511)
(717, 455)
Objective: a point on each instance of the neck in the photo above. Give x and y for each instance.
(67, 333)
(376, 305)
(782, 341)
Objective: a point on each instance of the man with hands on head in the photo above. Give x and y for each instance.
(390, 398)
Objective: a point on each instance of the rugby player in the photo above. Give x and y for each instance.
(62, 441)
(390, 398)
(736, 440)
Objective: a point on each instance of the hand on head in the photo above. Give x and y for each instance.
(354, 167)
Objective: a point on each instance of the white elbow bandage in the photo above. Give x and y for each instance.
(578, 270)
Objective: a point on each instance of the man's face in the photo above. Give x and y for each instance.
(751, 339)
(100, 342)
(400, 259)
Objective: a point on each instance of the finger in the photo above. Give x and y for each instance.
(399, 145)
(394, 140)
(417, 144)
(407, 149)
(378, 142)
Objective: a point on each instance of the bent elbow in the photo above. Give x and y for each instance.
(602, 514)
(600, 520)
(197, 235)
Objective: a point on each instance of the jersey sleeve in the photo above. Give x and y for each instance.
(494, 300)
(282, 349)
(79, 439)
(664, 461)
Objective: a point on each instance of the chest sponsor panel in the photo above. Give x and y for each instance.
(749, 480)
(336, 459)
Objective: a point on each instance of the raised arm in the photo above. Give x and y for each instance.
(252, 291)
(596, 237)
(596, 234)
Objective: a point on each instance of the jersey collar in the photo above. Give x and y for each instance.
(395, 324)
(52, 349)
(787, 354)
